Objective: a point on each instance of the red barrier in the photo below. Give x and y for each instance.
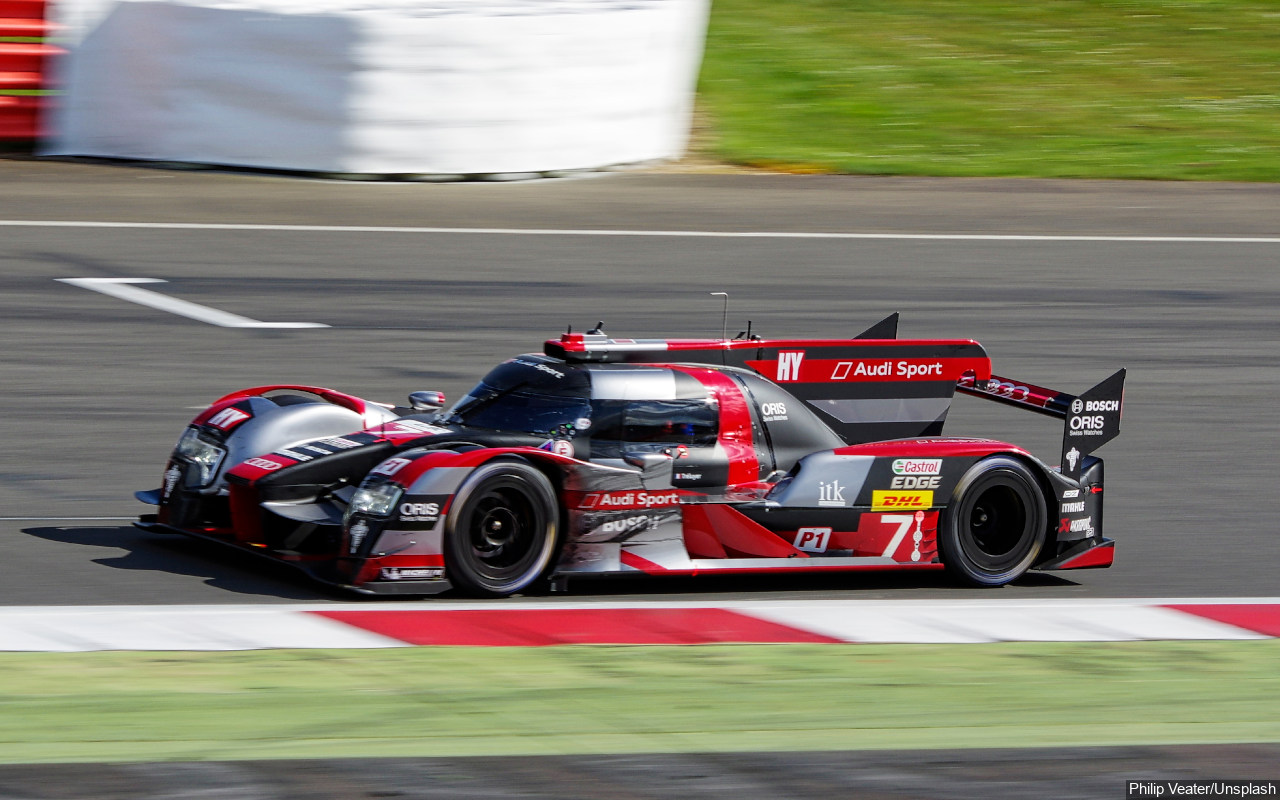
(22, 9)
(22, 68)
(24, 28)
(25, 81)
(19, 57)
(20, 117)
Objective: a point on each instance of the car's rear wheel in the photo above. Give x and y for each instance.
(500, 536)
(995, 526)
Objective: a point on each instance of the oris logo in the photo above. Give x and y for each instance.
(774, 409)
(419, 509)
(1090, 423)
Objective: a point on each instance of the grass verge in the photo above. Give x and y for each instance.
(1183, 89)
(490, 701)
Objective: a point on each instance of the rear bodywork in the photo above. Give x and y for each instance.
(659, 457)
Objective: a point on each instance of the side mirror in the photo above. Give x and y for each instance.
(424, 402)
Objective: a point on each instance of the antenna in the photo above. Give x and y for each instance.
(724, 321)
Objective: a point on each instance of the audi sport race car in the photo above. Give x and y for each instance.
(606, 457)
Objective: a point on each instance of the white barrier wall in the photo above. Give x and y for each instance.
(434, 86)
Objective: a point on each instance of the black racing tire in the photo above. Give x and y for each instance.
(996, 524)
(501, 532)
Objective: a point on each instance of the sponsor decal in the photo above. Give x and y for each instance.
(908, 370)
(642, 522)
(831, 494)
(813, 540)
(357, 533)
(774, 412)
(555, 373)
(1073, 508)
(1011, 390)
(789, 365)
(561, 447)
(687, 476)
(228, 418)
(1077, 406)
(900, 501)
(1087, 425)
(411, 426)
(915, 482)
(340, 443)
(419, 512)
(412, 573)
(1070, 493)
(263, 463)
(391, 466)
(1073, 455)
(1100, 405)
(917, 466)
(629, 500)
(1084, 526)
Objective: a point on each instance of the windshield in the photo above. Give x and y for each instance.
(515, 410)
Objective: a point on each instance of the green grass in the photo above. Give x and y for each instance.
(1058, 88)
(473, 701)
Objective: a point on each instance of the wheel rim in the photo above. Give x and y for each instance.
(503, 534)
(997, 532)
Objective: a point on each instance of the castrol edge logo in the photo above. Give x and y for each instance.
(917, 466)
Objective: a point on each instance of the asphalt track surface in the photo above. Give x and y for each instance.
(97, 389)
(1051, 773)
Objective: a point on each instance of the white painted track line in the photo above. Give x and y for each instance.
(123, 289)
(950, 237)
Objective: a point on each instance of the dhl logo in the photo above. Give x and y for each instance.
(901, 501)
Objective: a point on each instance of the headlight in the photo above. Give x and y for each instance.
(377, 500)
(204, 456)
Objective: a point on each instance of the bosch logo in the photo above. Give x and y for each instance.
(1101, 405)
(1077, 406)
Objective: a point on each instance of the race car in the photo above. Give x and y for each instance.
(603, 457)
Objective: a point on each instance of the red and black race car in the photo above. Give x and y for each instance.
(603, 457)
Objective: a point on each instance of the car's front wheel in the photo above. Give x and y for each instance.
(994, 528)
(500, 536)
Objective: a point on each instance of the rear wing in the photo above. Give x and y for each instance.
(1090, 420)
